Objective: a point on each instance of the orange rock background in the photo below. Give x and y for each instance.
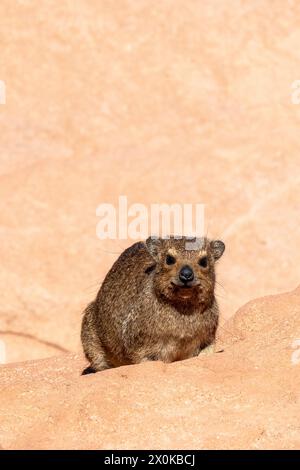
(170, 101)
(167, 101)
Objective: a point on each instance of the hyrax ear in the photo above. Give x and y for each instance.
(217, 247)
(153, 245)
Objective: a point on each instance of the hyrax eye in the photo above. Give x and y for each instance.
(203, 262)
(170, 259)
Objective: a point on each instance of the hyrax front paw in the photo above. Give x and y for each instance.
(208, 351)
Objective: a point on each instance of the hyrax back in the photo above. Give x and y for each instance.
(156, 303)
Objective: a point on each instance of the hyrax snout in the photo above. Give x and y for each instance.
(157, 302)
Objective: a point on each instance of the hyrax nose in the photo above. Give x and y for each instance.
(186, 274)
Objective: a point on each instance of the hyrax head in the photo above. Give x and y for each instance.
(184, 269)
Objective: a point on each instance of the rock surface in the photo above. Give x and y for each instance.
(247, 396)
(163, 102)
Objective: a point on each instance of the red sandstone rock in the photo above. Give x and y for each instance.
(244, 397)
(110, 98)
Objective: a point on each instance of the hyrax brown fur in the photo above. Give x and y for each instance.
(156, 303)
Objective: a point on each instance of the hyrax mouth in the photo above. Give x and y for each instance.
(184, 291)
(180, 285)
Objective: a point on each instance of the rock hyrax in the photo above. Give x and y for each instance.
(157, 302)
